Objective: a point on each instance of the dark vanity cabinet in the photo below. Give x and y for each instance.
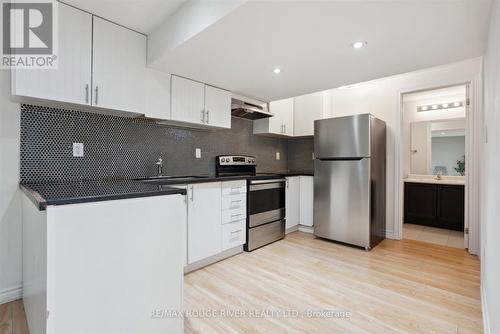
(436, 205)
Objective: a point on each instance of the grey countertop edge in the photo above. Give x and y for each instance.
(41, 203)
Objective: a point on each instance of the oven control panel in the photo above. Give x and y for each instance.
(234, 160)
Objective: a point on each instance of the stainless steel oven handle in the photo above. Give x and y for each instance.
(267, 181)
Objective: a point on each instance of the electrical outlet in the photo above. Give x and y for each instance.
(198, 153)
(277, 155)
(78, 150)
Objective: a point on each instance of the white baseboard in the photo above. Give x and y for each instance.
(486, 316)
(306, 229)
(389, 234)
(292, 229)
(10, 294)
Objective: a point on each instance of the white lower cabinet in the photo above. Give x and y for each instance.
(292, 205)
(204, 221)
(234, 213)
(233, 234)
(104, 267)
(306, 200)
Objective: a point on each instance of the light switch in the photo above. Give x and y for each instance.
(198, 153)
(78, 150)
(277, 155)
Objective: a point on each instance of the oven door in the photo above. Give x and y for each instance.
(266, 201)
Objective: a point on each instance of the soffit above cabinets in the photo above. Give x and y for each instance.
(140, 15)
(311, 42)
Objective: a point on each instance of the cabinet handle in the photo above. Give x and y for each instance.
(96, 94)
(192, 193)
(87, 93)
(202, 116)
(208, 116)
(284, 128)
(287, 183)
(236, 215)
(237, 231)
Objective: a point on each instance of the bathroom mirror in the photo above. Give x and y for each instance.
(438, 147)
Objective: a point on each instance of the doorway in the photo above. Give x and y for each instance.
(434, 162)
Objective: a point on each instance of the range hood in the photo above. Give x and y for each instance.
(248, 110)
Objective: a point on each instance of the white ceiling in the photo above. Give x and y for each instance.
(140, 15)
(311, 42)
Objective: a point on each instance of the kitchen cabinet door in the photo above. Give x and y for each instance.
(119, 67)
(157, 94)
(306, 200)
(282, 121)
(187, 100)
(292, 197)
(71, 81)
(307, 109)
(217, 107)
(204, 221)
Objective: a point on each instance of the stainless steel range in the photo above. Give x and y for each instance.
(265, 199)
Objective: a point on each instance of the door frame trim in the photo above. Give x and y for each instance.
(474, 123)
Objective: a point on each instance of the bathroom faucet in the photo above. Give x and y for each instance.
(159, 165)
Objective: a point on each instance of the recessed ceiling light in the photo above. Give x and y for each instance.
(277, 70)
(435, 106)
(456, 104)
(358, 45)
(445, 105)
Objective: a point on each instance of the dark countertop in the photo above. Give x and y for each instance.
(43, 194)
(60, 193)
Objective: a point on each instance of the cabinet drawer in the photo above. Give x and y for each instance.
(230, 216)
(233, 234)
(234, 202)
(234, 187)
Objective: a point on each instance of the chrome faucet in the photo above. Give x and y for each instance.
(159, 165)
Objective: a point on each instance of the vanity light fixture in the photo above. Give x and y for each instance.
(450, 105)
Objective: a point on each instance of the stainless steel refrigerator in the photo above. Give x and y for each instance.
(350, 180)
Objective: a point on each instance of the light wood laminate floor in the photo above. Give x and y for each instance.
(399, 287)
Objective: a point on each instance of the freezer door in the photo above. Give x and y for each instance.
(342, 137)
(342, 201)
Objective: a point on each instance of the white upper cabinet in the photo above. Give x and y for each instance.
(194, 102)
(71, 81)
(119, 67)
(217, 107)
(187, 101)
(281, 123)
(308, 108)
(157, 94)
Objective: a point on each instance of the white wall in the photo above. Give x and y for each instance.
(446, 151)
(490, 210)
(10, 200)
(381, 98)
